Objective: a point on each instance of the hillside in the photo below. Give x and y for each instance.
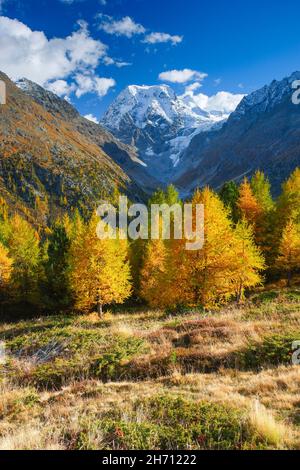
(53, 160)
(263, 133)
(142, 379)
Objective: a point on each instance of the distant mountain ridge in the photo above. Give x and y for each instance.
(262, 133)
(50, 156)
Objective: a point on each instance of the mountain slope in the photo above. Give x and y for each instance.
(159, 124)
(263, 132)
(52, 160)
(124, 155)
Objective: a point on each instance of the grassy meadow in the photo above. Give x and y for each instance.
(154, 379)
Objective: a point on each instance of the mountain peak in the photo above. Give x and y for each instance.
(266, 97)
(51, 102)
(158, 123)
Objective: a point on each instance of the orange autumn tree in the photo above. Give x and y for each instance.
(5, 268)
(100, 272)
(247, 204)
(289, 250)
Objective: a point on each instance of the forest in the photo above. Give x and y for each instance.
(249, 238)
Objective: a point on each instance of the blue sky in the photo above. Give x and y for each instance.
(101, 46)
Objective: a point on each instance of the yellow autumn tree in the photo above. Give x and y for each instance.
(5, 267)
(289, 250)
(153, 273)
(248, 263)
(210, 268)
(24, 248)
(289, 200)
(164, 271)
(99, 272)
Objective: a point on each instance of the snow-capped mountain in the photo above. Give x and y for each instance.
(159, 124)
(191, 140)
(262, 133)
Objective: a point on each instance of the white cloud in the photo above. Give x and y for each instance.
(124, 27)
(60, 87)
(182, 76)
(155, 38)
(193, 86)
(52, 62)
(118, 63)
(92, 84)
(29, 53)
(92, 118)
(222, 101)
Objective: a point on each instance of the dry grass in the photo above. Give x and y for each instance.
(186, 357)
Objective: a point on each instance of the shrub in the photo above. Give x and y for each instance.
(272, 351)
(170, 423)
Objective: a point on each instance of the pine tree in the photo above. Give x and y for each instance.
(248, 263)
(137, 252)
(100, 272)
(56, 289)
(158, 197)
(289, 250)
(229, 195)
(172, 195)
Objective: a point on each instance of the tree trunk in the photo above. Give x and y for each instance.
(100, 309)
(289, 279)
(239, 295)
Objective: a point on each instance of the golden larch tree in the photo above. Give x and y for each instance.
(99, 272)
(249, 262)
(153, 273)
(24, 248)
(289, 250)
(210, 268)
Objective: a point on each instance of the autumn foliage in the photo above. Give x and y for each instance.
(248, 238)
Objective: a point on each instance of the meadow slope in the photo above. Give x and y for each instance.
(143, 379)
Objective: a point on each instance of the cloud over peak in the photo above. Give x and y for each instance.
(223, 101)
(181, 76)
